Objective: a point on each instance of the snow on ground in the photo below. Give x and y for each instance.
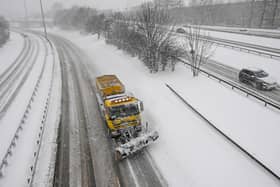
(257, 40)
(189, 153)
(46, 163)
(12, 117)
(241, 60)
(23, 154)
(10, 51)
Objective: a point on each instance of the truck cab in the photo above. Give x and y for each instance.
(121, 111)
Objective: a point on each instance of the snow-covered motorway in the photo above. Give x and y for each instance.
(231, 73)
(26, 94)
(85, 153)
(269, 33)
(262, 49)
(188, 152)
(10, 83)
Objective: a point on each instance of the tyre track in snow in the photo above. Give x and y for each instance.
(87, 168)
(15, 80)
(138, 170)
(61, 177)
(101, 150)
(74, 123)
(22, 54)
(17, 65)
(29, 109)
(140, 167)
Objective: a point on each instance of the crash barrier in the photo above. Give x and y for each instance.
(30, 179)
(241, 46)
(4, 163)
(265, 100)
(223, 134)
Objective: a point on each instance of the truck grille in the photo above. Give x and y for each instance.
(126, 124)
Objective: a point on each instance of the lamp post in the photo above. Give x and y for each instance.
(43, 20)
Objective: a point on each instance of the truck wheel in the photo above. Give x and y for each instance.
(259, 86)
(118, 156)
(241, 80)
(109, 133)
(254, 84)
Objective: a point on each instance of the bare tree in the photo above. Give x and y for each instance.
(274, 13)
(252, 6)
(169, 3)
(198, 48)
(169, 54)
(149, 22)
(263, 12)
(206, 11)
(96, 24)
(147, 37)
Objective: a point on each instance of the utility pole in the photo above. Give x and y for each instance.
(43, 20)
(26, 16)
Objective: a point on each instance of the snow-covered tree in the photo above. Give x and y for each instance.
(149, 23)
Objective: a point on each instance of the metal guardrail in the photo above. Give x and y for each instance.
(249, 32)
(12, 145)
(266, 101)
(9, 151)
(242, 46)
(30, 179)
(224, 135)
(249, 48)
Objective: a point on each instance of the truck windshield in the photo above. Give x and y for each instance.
(123, 110)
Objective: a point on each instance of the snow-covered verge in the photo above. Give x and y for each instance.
(46, 161)
(189, 152)
(10, 51)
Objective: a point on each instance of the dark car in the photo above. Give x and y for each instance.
(180, 30)
(243, 30)
(257, 78)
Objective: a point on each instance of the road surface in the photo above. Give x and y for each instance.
(85, 152)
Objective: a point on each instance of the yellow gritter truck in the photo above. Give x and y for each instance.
(121, 112)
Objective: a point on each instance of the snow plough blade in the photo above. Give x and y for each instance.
(135, 145)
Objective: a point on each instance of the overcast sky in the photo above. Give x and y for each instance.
(15, 8)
